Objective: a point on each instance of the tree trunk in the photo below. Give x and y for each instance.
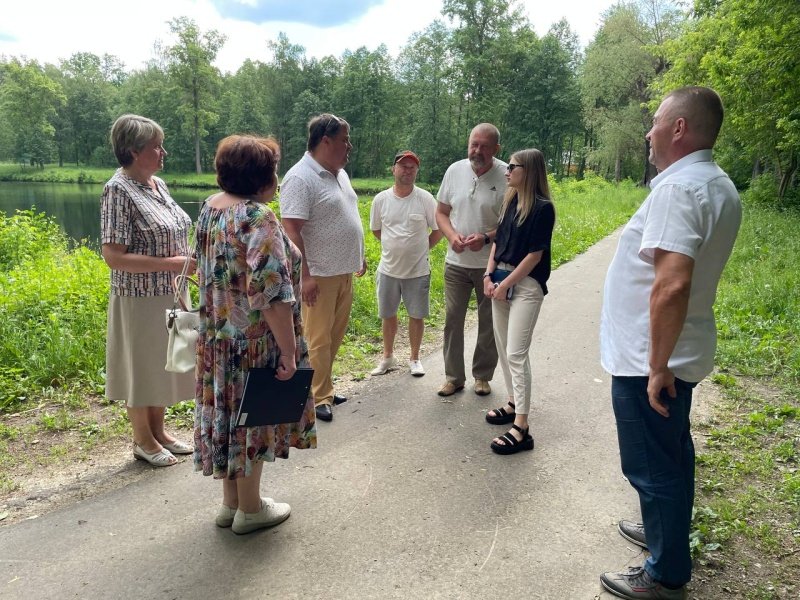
(787, 176)
(647, 175)
(196, 102)
(756, 168)
(587, 136)
(569, 155)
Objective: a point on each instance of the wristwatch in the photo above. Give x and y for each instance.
(486, 239)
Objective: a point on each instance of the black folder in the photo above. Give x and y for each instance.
(270, 401)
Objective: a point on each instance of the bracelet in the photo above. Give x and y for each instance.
(485, 275)
(486, 239)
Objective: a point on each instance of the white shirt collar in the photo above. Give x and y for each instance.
(689, 159)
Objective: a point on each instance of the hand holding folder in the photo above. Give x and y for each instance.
(268, 400)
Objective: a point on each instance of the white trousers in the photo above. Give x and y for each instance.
(513, 329)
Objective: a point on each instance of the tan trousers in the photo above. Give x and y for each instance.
(324, 325)
(513, 330)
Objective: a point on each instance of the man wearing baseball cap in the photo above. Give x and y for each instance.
(403, 218)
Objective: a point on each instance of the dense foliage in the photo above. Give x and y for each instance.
(482, 61)
(53, 300)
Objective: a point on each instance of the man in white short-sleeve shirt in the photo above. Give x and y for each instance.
(467, 212)
(319, 210)
(403, 219)
(658, 335)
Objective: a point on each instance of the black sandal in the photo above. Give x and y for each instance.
(512, 445)
(501, 415)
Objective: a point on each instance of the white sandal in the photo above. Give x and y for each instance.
(178, 447)
(162, 458)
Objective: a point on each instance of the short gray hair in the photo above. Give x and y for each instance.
(130, 133)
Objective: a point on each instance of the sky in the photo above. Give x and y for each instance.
(49, 31)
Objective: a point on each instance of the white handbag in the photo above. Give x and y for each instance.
(182, 322)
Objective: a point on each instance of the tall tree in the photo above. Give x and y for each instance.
(481, 39)
(30, 100)
(196, 78)
(545, 110)
(621, 62)
(90, 98)
(284, 84)
(748, 51)
(427, 75)
(366, 95)
(245, 102)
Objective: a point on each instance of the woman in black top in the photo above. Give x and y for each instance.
(516, 280)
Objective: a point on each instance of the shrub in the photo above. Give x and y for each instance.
(53, 301)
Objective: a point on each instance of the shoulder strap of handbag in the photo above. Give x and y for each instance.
(179, 284)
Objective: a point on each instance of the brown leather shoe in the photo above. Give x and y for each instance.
(482, 387)
(450, 388)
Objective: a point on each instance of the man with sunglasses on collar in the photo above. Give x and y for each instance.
(319, 210)
(468, 208)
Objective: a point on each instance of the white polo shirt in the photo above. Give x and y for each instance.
(474, 206)
(693, 209)
(332, 235)
(404, 224)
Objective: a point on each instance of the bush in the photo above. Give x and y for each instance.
(53, 301)
(763, 192)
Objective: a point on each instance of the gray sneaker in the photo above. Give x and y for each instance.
(637, 584)
(633, 532)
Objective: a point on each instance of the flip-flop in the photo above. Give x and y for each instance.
(162, 458)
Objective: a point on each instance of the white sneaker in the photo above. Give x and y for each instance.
(271, 513)
(386, 365)
(417, 370)
(225, 516)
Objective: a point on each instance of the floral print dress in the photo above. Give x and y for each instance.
(245, 262)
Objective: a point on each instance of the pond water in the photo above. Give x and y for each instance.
(76, 206)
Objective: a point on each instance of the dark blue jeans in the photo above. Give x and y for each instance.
(657, 457)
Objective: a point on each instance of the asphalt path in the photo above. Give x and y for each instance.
(402, 498)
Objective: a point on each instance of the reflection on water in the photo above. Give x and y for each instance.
(76, 206)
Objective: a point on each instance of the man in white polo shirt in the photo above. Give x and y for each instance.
(319, 210)
(469, 206)
(403, 219)
(658, 336)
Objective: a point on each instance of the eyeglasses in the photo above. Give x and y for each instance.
(511, 166)
(332, 125)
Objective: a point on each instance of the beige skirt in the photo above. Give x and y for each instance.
(136, 352)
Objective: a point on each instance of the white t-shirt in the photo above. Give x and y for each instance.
(404, 224)
(693, 209)
(332, 235)
(474, 206)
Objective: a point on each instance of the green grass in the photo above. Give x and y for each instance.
(758, 307)
(748, 474)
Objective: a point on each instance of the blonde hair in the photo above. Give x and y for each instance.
(131, 133)
(534, 183)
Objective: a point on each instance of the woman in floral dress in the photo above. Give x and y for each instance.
(249, 277)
